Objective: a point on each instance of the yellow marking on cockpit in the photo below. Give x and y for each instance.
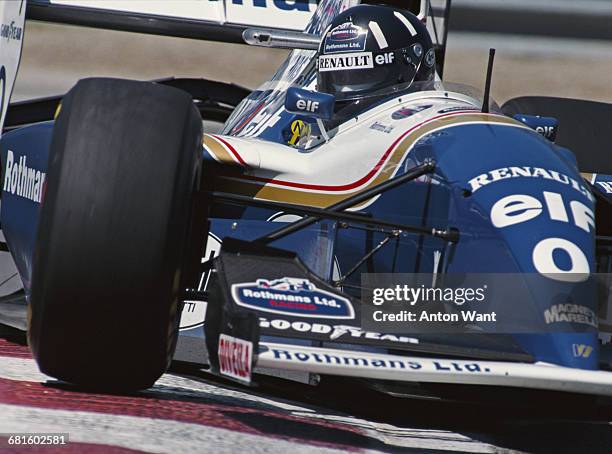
(299, 129)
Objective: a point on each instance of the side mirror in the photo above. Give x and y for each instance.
(310, 103)
(546, 126)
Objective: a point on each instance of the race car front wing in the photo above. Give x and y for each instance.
(542, 376)
(255, 283)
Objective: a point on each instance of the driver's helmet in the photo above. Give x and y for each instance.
(370, 50)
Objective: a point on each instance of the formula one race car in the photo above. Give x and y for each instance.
(268, 246)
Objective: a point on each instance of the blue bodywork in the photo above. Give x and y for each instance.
(455, 196)
(315, 104)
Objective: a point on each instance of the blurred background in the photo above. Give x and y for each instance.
(544, 47)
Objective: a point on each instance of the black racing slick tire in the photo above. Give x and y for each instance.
(117, 222)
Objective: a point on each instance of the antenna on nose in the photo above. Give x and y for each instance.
(487, 89)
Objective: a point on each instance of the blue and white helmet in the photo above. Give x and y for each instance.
(369, 49)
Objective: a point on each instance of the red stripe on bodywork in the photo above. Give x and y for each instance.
(345, 187)
(232, 150)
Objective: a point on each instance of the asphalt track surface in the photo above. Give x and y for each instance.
(190, 411)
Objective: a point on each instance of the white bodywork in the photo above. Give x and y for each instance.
(418, 369)
(285, 14)
(256, 13)
(319, 175)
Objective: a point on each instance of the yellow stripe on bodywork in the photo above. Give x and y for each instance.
(218, 150)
